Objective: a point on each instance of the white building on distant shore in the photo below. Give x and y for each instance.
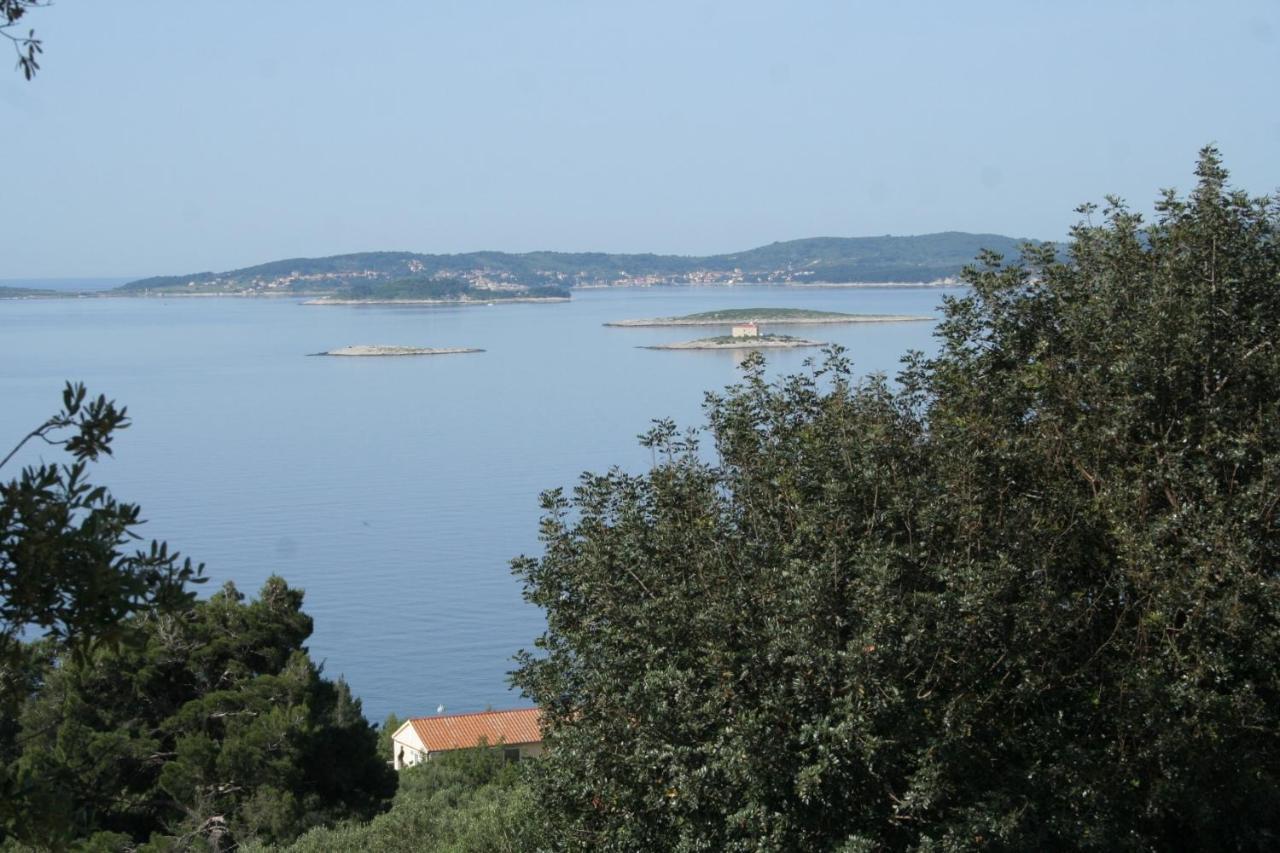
(746, 330)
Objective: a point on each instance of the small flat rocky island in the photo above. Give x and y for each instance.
(772, 316)
(379, 349)
(741, 342)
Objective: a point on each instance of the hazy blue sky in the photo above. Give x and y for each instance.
(170, 137)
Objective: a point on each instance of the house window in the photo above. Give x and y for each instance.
(511, 754)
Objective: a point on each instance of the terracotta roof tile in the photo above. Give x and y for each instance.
(462, 731)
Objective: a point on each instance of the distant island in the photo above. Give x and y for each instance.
(731, 342)
(32, 293)
(377, 276)
(773, 316)
(364, 350)
(419, 290)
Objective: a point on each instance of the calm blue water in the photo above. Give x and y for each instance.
(393, 490)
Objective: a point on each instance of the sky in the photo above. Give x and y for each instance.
(166, 138)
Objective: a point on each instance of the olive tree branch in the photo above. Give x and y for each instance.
(27, 47)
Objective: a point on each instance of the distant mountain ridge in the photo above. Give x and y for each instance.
(921, 258)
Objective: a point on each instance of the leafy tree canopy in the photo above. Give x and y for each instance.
(465, 801)
(1025, 598)
(217, 729)
(63, 572)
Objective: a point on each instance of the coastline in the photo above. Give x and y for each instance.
(309, 298)
(326, 301)
(315, 298)
(747, 285)
(746, 343)
(772, 321)
(869, 285)
(380, 350)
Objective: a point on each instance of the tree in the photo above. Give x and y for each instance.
(1026, 598)
(28, 47)
(139, 714)
(464, 801)
(62, 569)
(217, 729)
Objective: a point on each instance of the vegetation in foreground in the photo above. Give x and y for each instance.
(470, 801)
(1025, 599)
(133, 717)
(209, 727)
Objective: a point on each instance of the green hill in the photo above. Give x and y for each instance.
(923, 258)
(31, 293)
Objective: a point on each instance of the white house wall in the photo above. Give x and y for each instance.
(405, 741)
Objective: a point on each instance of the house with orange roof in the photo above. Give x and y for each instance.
(517, 733)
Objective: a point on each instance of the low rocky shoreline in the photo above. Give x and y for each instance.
(772, 321)
(328, 301)
(363, 350)
(740, 343)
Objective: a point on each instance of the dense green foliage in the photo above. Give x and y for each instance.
(920, 258)
(469, 801)
(1026, 598)
(385, 732)
(63, 573)
(546, 292)
(128, 711)
(411, 288)
(212, 727)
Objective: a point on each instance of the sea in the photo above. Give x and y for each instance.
(394, 491)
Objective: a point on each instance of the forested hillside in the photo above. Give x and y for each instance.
(923, 258)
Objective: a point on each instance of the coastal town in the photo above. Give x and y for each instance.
(916, 260)
(296, 282)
